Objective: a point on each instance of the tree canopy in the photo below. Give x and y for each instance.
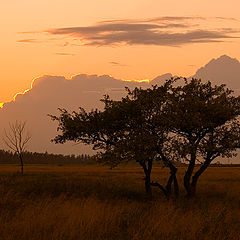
(203, 118)
(182, 120)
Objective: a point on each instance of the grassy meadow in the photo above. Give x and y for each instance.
(94, 202)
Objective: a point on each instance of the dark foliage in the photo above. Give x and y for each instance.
(182, 120)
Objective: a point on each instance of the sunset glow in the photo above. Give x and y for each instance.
(112, 38)
(148, 89)
(20, 93)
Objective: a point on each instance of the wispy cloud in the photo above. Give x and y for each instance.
(160, 31)
(228, 18)
(117, 64)
(29, 41)
(65, 54)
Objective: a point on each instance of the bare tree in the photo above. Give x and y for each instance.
(16, 139)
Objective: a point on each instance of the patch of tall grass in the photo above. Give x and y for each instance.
(70, 203)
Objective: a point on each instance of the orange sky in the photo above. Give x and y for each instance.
(43, 51)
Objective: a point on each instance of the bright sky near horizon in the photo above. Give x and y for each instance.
(137, 39)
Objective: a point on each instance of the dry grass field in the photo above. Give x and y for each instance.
(88, 203)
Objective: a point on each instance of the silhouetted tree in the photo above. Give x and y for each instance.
(16, 139)
(204, 119)
(129, 129)
(188, 120)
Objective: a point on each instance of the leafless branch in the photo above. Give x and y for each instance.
(16, 138)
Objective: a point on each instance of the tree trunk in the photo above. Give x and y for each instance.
(148, 187)
(188, 175)
(169, 186)
(172, 178)
(163, 189)
(147, 171)
(196, 176)
(175, 184)
(167, 190)
(21, 161)
(187, 184)
(191, 191)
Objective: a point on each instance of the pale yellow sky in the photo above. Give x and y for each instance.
(25, 56)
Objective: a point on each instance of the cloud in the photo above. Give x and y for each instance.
(160, 31)
(223, 70)
(47, 93)
(162, 19)
(65, 54)
(228, 18)
(186, 19)
(117, 64)
(29, 41)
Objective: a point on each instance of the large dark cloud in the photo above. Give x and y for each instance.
(163, 31)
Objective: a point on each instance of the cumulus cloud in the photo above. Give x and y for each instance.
(48, 93)
(161, 31)
(223, 70)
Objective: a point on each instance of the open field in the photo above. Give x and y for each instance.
(93, 202)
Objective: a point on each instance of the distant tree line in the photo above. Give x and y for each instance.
(8, 157)
(181, 121)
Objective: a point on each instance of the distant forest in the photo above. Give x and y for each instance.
(8, 157)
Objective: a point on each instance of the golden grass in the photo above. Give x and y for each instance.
(79, 202)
